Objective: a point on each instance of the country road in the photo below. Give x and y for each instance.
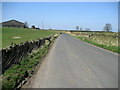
(72, 63)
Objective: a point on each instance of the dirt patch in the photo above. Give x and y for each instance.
(16, 37)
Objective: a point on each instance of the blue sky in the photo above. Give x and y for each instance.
(63, 15)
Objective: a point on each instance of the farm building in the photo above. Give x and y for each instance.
(14, 23)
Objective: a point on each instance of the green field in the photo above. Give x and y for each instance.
(19, 35)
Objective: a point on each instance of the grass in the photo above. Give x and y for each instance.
(106, 40)
(20, 35)
(111, 48)
(18, 72)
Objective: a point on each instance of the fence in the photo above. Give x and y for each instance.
(15, 53)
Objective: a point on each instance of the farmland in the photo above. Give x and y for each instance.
(106, 40)
(19, 35)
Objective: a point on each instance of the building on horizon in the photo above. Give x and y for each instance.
(14, 23)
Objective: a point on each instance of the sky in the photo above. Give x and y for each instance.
(63, 15)
(60, 0)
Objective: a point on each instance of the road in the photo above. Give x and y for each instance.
(72, 63)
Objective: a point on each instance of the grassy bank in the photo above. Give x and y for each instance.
(20, 35)
(111, 48)
(19, 72)
(106, 40)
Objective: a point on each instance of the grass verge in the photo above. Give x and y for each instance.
(111, 48)
(19, 72)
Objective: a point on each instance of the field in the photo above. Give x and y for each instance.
(107, 40)
(19, 35)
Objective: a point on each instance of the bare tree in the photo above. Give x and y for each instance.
(77, 27)
(108, 27)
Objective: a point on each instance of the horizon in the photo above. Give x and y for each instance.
(63, 15)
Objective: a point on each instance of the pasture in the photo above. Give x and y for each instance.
(20, 35)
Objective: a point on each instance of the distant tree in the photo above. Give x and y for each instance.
(33, 26)
(50, 28)
(37, 28)
(108, 27)
(87, 29)
(77, 27)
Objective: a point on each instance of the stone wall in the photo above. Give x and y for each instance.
(14, 54)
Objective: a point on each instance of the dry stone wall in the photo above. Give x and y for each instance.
(14, 54)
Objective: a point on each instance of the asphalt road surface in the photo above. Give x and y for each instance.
(72, 63)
